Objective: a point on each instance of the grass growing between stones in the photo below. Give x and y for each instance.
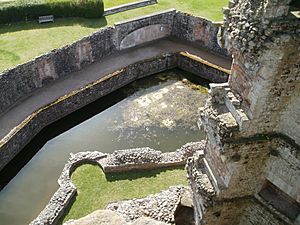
(95, 190)
(23, 41)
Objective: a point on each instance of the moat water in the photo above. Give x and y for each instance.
(159, 112)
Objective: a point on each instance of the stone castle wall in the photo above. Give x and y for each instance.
(264, 42)
(17, 83)
(252, 122)
(276, 79)
(243, 211)
(250, 165)
(281, 169)
(198, 30)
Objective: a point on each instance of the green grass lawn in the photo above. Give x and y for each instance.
(20, 42)
(95, 190)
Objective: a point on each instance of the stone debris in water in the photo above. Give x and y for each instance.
(171, 103)
(166, 105)
(168, 123)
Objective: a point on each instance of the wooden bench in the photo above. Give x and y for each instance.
(45, 19)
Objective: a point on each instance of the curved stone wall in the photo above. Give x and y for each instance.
(110, 163)
(146, 34)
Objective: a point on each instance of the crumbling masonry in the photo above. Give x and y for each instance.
(250, 169)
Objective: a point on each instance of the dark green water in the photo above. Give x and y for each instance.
(158, 112)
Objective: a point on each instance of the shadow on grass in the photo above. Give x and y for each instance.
(30, 25)
(66, 211)
(136, 174)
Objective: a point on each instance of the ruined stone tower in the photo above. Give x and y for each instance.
(249, 170)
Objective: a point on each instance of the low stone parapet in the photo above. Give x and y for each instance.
(147, 158)
(109, 217)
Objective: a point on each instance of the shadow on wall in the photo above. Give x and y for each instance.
(61, 22)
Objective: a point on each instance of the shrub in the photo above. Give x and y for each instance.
(31, 9)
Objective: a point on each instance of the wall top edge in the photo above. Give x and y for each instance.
(129, 4)
(218, 23)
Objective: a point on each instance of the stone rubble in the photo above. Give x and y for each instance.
(246, 119)
(160, 206)
(147, 158)
(139, 155)
(108, 217)
(247, 26)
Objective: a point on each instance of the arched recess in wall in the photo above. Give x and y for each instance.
(145, 34)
